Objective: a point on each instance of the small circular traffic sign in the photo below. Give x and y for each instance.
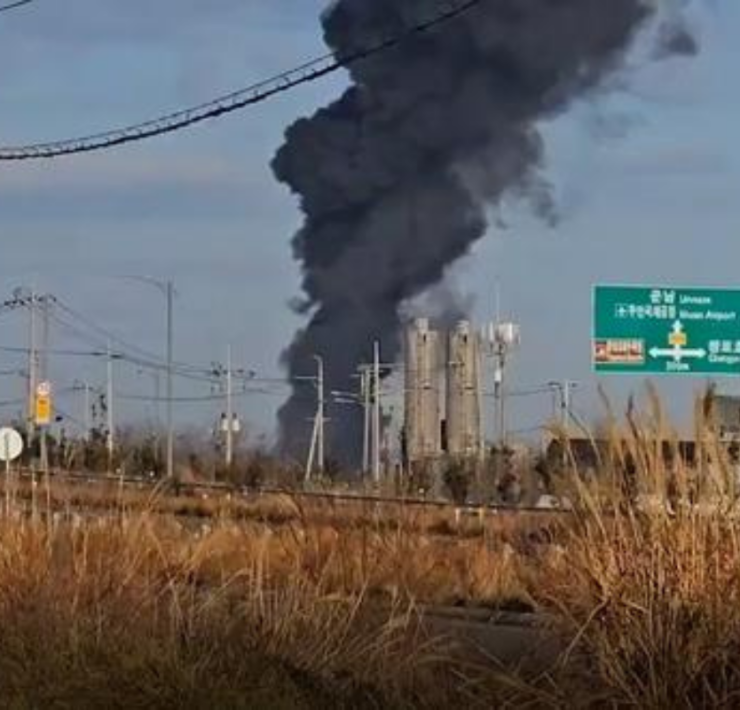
(11, 445)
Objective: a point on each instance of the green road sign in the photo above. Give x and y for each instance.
(666, 330)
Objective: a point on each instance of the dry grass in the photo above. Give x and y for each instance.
(123, 614)
(274, 508)
(647, 591)
(391, 568)
(292, 605)
(387, 552)
(132, 609)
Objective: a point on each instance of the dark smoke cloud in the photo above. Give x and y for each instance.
(394, 178)
(676, 38)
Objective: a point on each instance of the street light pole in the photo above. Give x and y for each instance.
(365, 375)
(86, 413)
(376, 414)
(168, 289)
(32, 369)
(229, 411)
(110, 442)
(170, 420)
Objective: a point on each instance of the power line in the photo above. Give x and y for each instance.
(530, 393)
(528, 430)
(59, 352)
(523, 393)
(101, 354)
(148, 361)
(197, 398)
(257, 93)
(14, 5)
(87, 331)
(103, 332)
(136, 355)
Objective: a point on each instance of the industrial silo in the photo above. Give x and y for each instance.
(464, 370)
(422, 392)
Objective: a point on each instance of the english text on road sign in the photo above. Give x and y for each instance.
(666, 330)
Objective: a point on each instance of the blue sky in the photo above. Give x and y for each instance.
(645, 178)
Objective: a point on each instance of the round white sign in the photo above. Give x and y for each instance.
(11, 444)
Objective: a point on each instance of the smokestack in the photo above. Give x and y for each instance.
(395, 176)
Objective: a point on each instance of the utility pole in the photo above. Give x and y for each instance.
(365, 390)
(500, 391)
(311, 451)
(158, 420)
(317, 433)
(565, 397)
(156, 377)
(43, 356)
(376, 413)
(479, 375)
(86, 413)
(166, 288)
(504, 338)
(109, 409)
(32, 365)
(567, 385)
(564, 390)
(44, 359)
(229, 411)
(320, 414)
(170, 390)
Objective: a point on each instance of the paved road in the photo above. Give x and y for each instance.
(511, 640)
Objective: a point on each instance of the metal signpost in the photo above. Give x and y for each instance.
(11, 447)
(666, 330)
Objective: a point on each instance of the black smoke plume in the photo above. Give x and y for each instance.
(394, 177)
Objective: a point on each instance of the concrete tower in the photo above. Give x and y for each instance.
(464, 392)
(422, 392)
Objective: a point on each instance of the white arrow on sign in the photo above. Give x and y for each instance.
(678, 354)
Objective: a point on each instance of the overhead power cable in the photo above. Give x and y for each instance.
(257, 93)
(125, 350)
(14, 5)
(102, 333)
(197, 398)
(120, 355)
(56, 351)
(97, 337)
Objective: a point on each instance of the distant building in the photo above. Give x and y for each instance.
(727, 416)
(591, 455)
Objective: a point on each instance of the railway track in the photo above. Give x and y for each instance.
(194, 489)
